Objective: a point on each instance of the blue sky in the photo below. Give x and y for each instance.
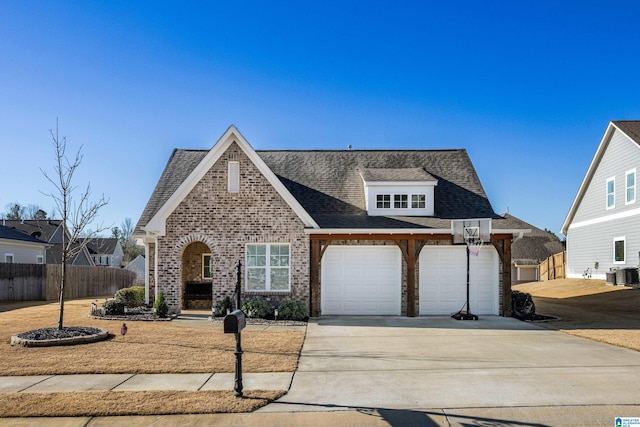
(527, 87)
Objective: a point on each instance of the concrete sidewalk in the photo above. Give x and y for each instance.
(393, 371)
(143, 382)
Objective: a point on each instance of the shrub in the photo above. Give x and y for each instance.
(292, 310)
(224, 305)
(258, 307)
(131, 297)
(113, 307)
(160, 306)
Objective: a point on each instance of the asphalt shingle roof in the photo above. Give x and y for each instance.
(10, 233)
(329, 185)
(630, 127)
(534, 247)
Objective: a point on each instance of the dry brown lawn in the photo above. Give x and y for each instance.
(117, 403)
(148, 347)
(589, 309)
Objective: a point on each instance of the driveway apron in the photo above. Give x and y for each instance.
(438, 362)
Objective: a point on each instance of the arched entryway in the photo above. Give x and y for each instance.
(196, 276)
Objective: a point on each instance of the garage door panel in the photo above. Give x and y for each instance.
(361, 280)
(443, 280)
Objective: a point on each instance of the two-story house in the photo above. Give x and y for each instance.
(49, 231)
(602, 224)
(344, 231)
(20, 248)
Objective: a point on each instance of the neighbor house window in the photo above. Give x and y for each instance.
(418, 201)
(619, 250)
(39, 259)
(207, 266)
(611, 193)
(268, 267)
(630, 179)
(234, 177)
(400, 201)
(383, 201)
(8, 258)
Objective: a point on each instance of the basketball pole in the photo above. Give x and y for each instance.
(460, 315)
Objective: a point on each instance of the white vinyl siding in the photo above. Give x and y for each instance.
(234, 177)
(611, 193)
(630, 182)
(593, 228)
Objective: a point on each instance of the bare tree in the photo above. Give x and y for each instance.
(16, 211)
(124, 234)
(75, 215)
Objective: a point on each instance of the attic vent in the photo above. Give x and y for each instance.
(234, 177)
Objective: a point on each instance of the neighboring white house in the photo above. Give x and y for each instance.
(106, 252)
(137, 266)
(20, 248)
(603, 221)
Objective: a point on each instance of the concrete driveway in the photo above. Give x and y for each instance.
(441, 371)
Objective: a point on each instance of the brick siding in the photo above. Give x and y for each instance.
(211, 219)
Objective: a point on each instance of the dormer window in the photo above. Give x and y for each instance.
(383, 201)
(403, 192)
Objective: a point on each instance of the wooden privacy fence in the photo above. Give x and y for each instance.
(553, 267)
(37, 282)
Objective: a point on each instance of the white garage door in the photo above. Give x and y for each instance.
(360, 280)
(443, 280)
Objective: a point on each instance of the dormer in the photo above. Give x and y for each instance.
(401, 192)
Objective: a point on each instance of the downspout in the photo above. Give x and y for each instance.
(146, 272)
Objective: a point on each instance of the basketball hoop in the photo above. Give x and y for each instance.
(474, 246)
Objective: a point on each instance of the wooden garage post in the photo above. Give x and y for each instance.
(314, 295)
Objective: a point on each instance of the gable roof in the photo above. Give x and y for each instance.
(41, 229)
(631, 129)
(101, 245)
(534, 247)
(157, 217)
(326, 186)
(9, 233)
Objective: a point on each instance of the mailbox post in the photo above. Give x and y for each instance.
(234, 323)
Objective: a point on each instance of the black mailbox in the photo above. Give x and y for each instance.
(234, 322)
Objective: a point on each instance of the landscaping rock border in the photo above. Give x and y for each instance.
(49, 337)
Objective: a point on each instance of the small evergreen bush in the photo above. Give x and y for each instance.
(131, 297)
(223, 306)
(292, 310)
(160, 306)
(113, 307)
(258, 307)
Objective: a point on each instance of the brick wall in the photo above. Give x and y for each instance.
(225, 223)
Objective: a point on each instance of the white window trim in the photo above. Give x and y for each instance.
(606, 190)
(624, 255)
(233, 177)
(626, 187)
(7, 256)
(393, 200)
(210, 269)
(267, 267)
(39, 259)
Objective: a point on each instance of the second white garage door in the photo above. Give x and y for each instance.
(361, 280)
(443, 280)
